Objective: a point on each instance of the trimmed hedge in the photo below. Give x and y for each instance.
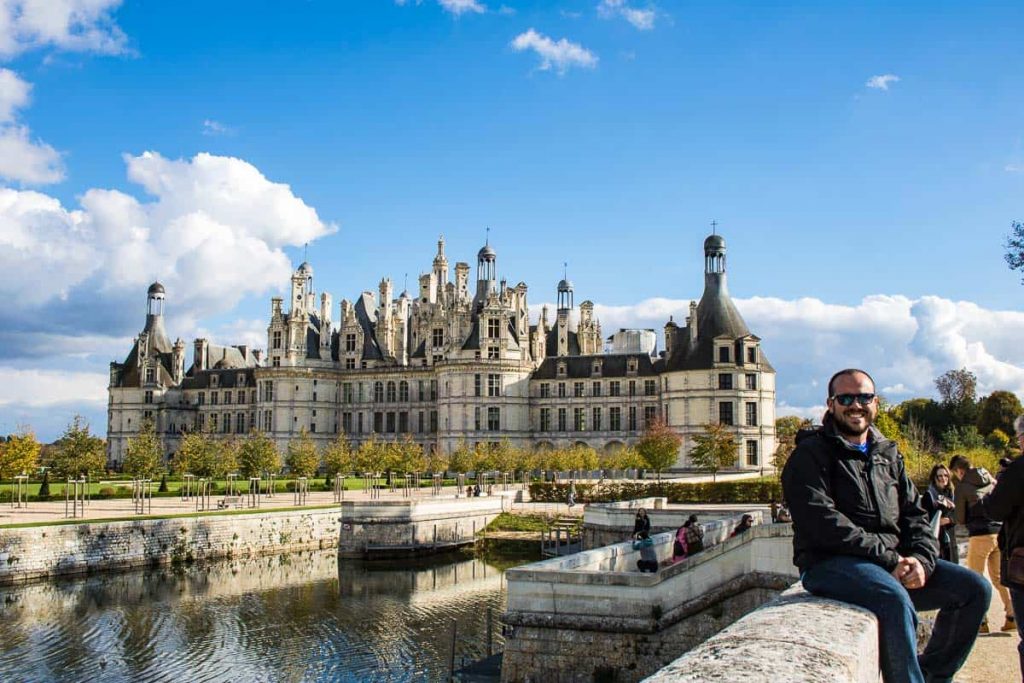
(746, 491)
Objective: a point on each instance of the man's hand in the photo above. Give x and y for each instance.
(909, 572)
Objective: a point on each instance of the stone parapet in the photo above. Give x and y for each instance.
(609, 523)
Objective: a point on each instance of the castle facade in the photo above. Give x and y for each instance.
(459, 362)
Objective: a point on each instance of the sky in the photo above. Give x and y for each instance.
(864, 162)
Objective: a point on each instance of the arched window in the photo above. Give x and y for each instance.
(403, 391)
(378, 392)
(391, 392)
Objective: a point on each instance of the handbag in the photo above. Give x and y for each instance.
(1015, 567)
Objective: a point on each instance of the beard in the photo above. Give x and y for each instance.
(844, 427)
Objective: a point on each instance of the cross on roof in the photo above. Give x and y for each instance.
(714, 227)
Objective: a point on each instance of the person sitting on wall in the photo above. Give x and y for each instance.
(641, 524)
(648, 561)
(746, 522)
(694, 535)
(679, 549)
(862, 536)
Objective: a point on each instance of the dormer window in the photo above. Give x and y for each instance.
(493, 328)
(631, 365)
(561, 369)
(214, 380)
(595, 369)
(150, 375)
(723, 354)
(752, 354)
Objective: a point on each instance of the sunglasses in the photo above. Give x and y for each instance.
(846, 400)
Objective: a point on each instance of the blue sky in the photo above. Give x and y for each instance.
(865, 223)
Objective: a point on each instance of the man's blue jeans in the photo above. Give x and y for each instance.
(1017, 598)
(961, 596)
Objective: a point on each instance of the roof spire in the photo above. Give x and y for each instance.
(714, 227)
(487, 239)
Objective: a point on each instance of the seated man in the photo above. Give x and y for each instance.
(860, 535)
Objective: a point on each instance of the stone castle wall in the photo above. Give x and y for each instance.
(46, 551)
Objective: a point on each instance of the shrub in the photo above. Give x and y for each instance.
(747, 491)
(105, 492)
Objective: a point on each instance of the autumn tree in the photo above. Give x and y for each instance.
(786, 429)
(258, 454)
(1015, 248)
(958, 391)
(461, 459)
(301, 458)
(19, 454)
(78, 451)
(410, 455)
(659, 446)
(195, 455)
(716, 449)
(371, 456)
(998, 410)
(338, 457)
(145, 454)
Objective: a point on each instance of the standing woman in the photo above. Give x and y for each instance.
(939, 498)
(1006, 504)
(642, 523)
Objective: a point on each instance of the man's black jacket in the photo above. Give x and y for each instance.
(1006, 504)
(844, 502)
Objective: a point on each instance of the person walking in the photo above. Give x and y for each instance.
(861, 535)
(982, 543)
(939, 499)
(1006, 504)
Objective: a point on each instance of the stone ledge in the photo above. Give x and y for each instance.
(797, 638)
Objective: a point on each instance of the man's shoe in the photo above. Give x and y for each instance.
(984, 627)
(1010, 625)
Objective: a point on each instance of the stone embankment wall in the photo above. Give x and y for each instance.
(46, 551)
(591, 616)
(373, 529)
(608, 523)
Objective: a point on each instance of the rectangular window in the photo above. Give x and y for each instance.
(270, 391)
(347, 395)
(437, 337)
(403, 391)
(437, 358)
(723, 354)
(752, 459)
(596, 388)
(359, 423)
(421, 422)
(241, 396)
(350, 343)
(312, 427)
(433, 421)
(632, 387)
(226, 425)
(227, 398)
(202, 421)
(267, 420)
(252, 421)
(147, 397)
(579, 419)
(650, 415)
(391, 423)
(561, 390)
(214, 398)
(577, 389)
(378, 422)
(421, 390)
(545, 419)
(545, 390)
(202, 398)
(615, 419)
(277, 362)
(561, 420)
(751, 414)
(493, 418)
(477, 385)
(752, 354)
(476, 418)
(493, 353)
(725, 413)
(346, 422)
(403, 422)
(240, 423)
(632, 418)
(433, 390)
(751, 381)
(277, 340)
(725, 380)
(150, 375)
(650, 387)
(494, 385)
(493, 328)
(614, 388)
(350, 363)
(597, 419)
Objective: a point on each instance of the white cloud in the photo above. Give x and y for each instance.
(641, 19)
(561, 54)
(42, 388)
(22, 159)
(905, 343)
(70, 25)
(507, 11)
(213, 233)
(212, 127)
(882, 82)
(459, 7)
(1014, 168)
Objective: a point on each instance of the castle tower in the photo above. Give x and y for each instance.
(563, 316)
(154, 330)
(486, 275)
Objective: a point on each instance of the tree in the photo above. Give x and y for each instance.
(957, 386)
(258, 454)
(998, 410)
(786, 428)
(461, 459)
(1015, 248)
(437, 461)
(78, 452)
(19, 454)
(44, 486)
(411, 458)
(371, 456)
(659, 446)
(301, 458)
(195, 455)
(338, 457)
(716, 448)
(145, 455)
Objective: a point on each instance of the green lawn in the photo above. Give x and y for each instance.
(506, 521)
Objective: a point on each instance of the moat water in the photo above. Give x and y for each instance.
(299, 617)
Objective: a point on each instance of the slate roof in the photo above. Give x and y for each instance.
(581, 367)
